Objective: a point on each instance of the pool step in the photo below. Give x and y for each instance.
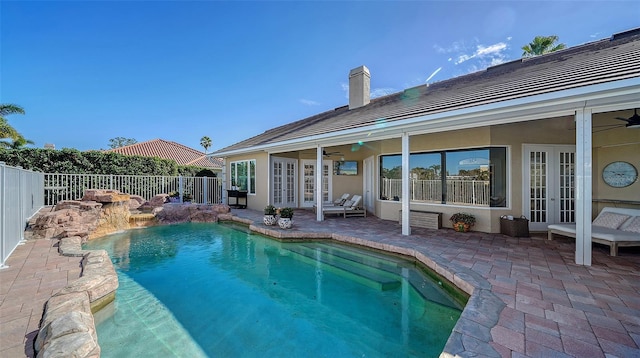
(425, 286)
(360, 274)
(363, 258)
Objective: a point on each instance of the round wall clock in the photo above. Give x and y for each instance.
(619, 174)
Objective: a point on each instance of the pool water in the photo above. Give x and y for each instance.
(196, 290)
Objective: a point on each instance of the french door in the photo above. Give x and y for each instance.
(309, 182)
(549, 186)
(284, 174)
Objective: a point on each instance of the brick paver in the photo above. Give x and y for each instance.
(548, 306)
(552, 307)
(34, 272)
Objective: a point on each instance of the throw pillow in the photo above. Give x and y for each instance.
(634, 225)
(610, 220)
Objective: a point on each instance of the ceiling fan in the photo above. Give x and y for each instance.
(633, 121)
(328, 154)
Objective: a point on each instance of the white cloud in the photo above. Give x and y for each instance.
(309, 102)
(475, 55)
(463, 58)
(494, 49)
(496, 61)
(486, 53)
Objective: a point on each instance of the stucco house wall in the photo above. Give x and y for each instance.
(254, 201)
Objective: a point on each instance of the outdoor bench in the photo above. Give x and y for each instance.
(424, 219)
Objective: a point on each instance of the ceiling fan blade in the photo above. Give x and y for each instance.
(633, 121)
(610, 128)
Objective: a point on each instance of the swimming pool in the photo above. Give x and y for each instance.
(192, 290)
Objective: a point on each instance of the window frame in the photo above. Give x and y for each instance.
(502, 152)
(250, 180)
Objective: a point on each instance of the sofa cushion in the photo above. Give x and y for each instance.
(605, 233)
(597, 232)
(610, 220)
(633, 225)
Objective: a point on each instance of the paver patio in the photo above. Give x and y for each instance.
(549, 307)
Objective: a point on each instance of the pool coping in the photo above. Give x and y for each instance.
(471, 335)
(67, 327)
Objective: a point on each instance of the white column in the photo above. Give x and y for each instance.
(3, 213)
(318, 174)
(406, 228)
(223, 194)
(583, 186)
(269, 179)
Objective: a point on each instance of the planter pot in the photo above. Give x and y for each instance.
(173, 199)
(285, 223)
(270, 220)
(461, 227)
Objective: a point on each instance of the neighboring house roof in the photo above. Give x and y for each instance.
(177, 152)
(613, 59)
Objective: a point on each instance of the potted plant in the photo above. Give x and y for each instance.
(187, 197)
(174, 197)
(462, 222)
(270, 217)
(285, 218)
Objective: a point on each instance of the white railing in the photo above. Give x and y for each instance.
(20, 198)
(459, 192)
(60, 187)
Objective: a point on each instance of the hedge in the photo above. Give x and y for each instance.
(73, 161)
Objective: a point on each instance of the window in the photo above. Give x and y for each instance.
(474, 177)
(243, 175)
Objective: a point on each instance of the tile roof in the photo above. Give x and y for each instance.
(593, 63)
(181, 154)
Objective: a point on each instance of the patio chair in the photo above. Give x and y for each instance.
(349, 208)
(338, 202)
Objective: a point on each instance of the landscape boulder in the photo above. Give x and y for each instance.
(176, 213)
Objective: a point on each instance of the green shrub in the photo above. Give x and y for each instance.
(73, 161)
(286, 213)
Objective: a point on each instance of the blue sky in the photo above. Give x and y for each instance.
(88, 71)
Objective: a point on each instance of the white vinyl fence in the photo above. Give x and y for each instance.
(60, 187)
(463, 192)
(20, 198)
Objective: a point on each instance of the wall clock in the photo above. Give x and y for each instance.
(619, 174)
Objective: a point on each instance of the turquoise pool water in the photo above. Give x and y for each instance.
(197, 290)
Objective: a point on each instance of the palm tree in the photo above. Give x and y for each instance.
(541, 45)
(6, 130)
(205, 142)
(16, 143)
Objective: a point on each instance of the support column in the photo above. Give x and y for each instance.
(223, 194)
(406, 228)
(318, 174)
(583, 186)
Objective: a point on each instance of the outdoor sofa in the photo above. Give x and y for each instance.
(614, 227)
